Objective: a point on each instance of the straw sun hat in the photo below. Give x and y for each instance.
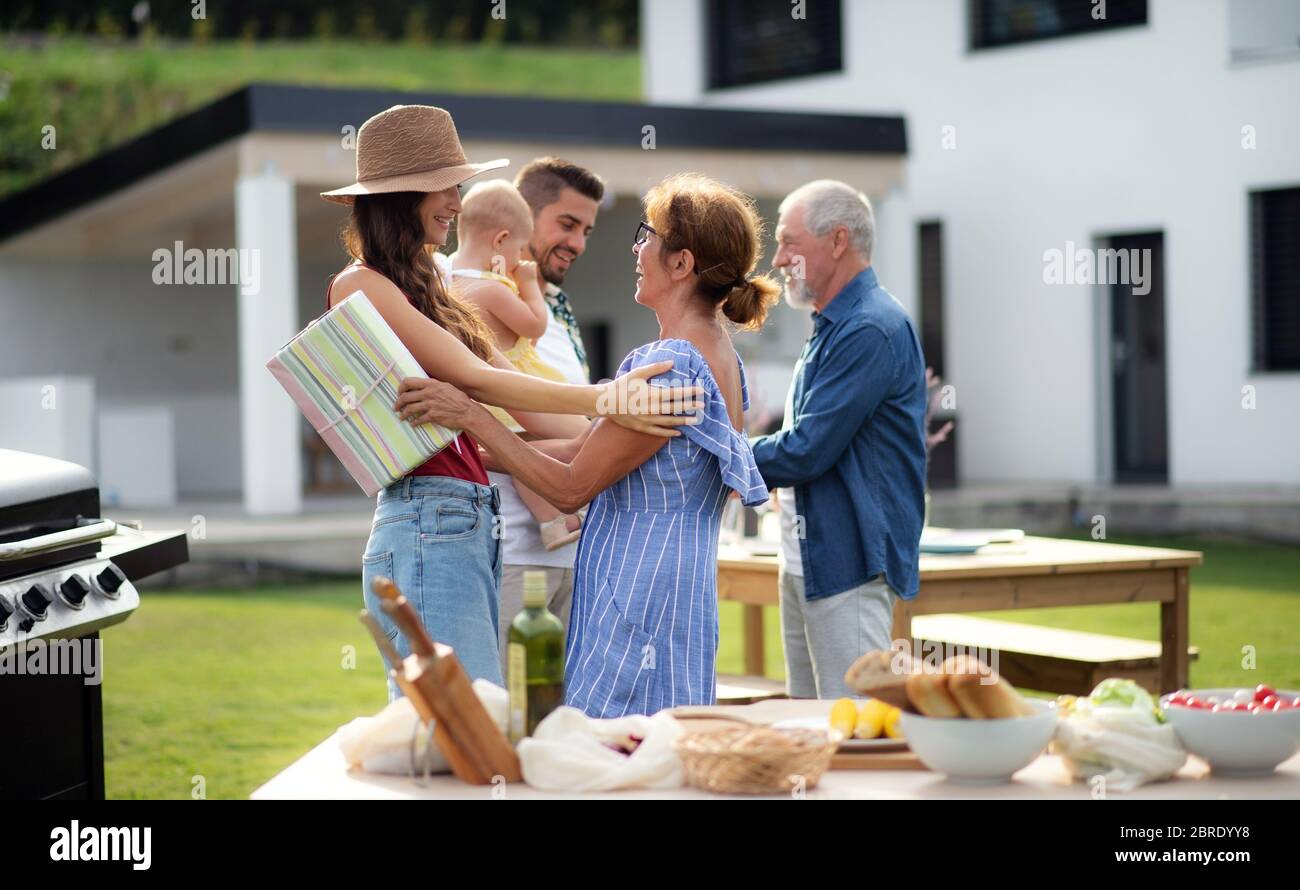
(409, 148)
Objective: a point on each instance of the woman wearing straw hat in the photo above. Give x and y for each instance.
(436, 531)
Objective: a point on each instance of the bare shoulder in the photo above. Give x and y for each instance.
(358, 278)
(483, 290)
(720, 355)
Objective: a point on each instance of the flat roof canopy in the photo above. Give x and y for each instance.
(177, 181)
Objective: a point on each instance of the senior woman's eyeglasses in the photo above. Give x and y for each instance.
(643, 233)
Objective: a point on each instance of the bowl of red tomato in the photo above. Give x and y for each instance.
(1236, 731)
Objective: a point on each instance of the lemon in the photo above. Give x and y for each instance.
(893, 729)
(844, 716)
(872, 719)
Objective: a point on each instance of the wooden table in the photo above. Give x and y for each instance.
(1032, 573)
(322, 774)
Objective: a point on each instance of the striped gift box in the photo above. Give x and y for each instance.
(343, 372)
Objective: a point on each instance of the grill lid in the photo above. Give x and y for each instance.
(26, 478)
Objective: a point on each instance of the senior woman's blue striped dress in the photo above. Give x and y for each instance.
(643, 633)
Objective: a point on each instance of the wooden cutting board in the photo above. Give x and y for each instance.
(432, 677)
(904, 759)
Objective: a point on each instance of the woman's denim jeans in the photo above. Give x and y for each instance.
(439, 540)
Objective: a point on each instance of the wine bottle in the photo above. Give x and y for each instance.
(535, 660)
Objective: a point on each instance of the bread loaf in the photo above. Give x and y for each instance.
(929, 694)
(967, 687)
(882, 674)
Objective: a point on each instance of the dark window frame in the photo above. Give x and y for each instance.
(1263, 313)
(930, 292)
(719, 32)
(942, 470)
(978, 15)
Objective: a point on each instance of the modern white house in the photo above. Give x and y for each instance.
(1040, 131)
(1005, 145)
(142, 292)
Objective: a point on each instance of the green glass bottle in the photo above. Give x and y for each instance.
(535, 660)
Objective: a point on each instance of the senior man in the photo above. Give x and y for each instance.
(850, 458)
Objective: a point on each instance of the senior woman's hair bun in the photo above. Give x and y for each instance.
(749, 301)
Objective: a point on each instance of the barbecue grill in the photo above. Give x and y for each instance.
(65, 574)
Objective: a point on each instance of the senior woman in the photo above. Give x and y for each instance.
(643, 633)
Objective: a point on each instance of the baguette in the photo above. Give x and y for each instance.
(882, 674)
(980, 692)
(988, 701)
(929, 694)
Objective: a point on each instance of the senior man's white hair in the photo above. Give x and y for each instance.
(829, 203)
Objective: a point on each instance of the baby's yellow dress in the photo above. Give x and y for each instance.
(523, 354)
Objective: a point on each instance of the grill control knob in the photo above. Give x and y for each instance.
(109, 582)
(36, 601)
(74, 591)
(6, 609)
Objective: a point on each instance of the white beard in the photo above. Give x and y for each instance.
(797, 293)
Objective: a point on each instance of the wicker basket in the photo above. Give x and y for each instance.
(756, 759)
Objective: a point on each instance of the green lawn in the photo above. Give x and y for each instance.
(231, 685)
(97, 94)
(235, 685)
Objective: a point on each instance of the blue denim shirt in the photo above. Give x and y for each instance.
(853, 444)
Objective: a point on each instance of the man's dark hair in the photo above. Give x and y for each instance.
(542, 179)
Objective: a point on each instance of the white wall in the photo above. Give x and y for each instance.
(145, 345)
(137, 457)
(53, 415)
(1067, 139)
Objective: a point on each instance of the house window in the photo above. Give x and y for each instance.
(1006, 22)
(1275, 267)
(942, 466)
(753, 41)
(930, 267)
(596, 342)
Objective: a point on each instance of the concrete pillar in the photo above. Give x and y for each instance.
(270, 423)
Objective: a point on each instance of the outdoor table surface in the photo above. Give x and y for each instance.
(1031, 573)
(322, 774)
(1030, 556)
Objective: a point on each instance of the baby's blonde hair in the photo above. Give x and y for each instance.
(494, 205)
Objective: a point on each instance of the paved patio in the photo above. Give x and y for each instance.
(229, 546)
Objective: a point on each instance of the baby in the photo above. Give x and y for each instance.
(490, 271)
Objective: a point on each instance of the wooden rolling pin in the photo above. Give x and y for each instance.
(461, 766)
(433, 678)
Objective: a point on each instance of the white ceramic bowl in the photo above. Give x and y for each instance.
(1236, 742)
(980, 751)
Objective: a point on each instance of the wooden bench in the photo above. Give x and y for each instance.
(735, 689)
(1046, 658)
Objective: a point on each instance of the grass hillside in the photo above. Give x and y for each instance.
(98, 93)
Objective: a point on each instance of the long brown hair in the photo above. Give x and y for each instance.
(722, 229)
(386, 233)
